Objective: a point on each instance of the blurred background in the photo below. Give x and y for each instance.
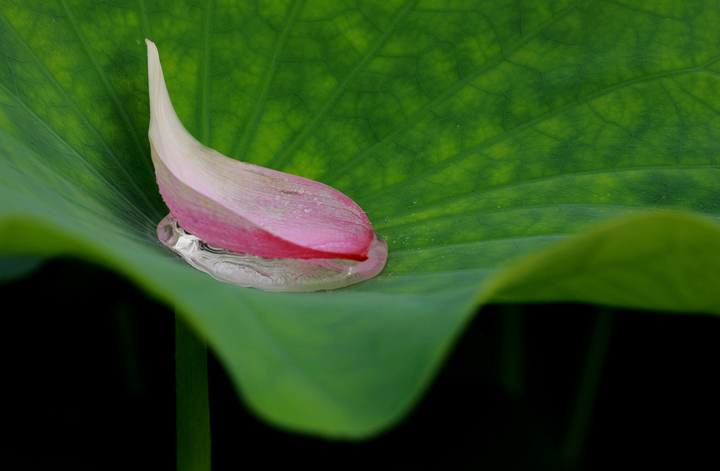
(89, 374)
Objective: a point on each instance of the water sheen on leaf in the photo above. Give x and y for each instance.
(473, 134)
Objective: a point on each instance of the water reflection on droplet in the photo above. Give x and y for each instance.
(277, 274)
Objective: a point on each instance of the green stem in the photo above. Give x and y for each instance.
(512, 369)
(192, 401)
(582, 412)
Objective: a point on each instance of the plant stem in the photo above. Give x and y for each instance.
(192, 401)
(512, 368)
(582, 412)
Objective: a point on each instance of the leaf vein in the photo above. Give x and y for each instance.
(447, 93)
(241, 147)
(521, 127)
(284, 155)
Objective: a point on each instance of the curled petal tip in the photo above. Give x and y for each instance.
(242, 207)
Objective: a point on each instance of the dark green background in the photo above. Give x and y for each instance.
(94, 386)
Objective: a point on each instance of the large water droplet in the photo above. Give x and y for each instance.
(276, 274)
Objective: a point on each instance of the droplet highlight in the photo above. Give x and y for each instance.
(271, 274)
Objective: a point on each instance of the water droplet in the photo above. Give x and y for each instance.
(277, 274)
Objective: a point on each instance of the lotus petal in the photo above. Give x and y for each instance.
(243, 207)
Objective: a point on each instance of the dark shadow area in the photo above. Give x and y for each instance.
(89, 374)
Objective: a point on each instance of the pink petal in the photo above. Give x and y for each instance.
(242, 207)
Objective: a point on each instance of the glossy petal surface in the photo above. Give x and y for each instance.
(242, 207)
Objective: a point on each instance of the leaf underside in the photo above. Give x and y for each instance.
(487, 141)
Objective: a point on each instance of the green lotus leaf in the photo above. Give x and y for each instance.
(532, 151)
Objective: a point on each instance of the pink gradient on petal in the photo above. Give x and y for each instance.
(243, 207)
